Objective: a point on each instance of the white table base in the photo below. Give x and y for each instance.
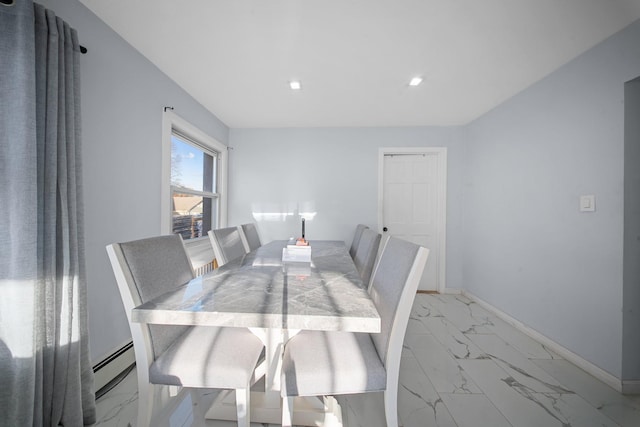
(266, 406)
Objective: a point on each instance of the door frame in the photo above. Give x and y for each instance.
(441, 191)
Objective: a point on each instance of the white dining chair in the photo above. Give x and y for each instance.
(251, 239)
(322, 363)
(356, 239)
(366, 253)
(193, 357)
(227, 244)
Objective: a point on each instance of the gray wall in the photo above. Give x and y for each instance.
(631, 273)
(122, 99)
(333, 172)
(528, 249)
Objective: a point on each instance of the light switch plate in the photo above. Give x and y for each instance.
(588, 203)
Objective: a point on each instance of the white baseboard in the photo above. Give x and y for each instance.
(113, 365)
(570, 356)
(630, 386)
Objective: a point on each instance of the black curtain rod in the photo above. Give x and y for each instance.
(83, 49)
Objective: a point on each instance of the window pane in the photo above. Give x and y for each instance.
(193, 216)
(191, 167)
(187, 215)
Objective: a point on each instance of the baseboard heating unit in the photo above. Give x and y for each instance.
(111, 370)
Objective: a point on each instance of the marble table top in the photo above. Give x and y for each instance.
(259, 290)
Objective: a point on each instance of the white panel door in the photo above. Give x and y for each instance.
(412, 206)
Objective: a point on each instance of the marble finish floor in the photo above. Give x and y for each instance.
(462, 367)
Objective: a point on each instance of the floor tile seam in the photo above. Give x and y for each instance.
(525, 336)
(488, 396)
(585, 398)
(424, 373)
(421, 363)
(431, 408)
(499, 361)
(599, 407)
(560, 395)
(477, 394)
(406, 345)
(545, 394)
(519, 352)
(435, 335)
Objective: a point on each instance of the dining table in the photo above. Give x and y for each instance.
(275, 299)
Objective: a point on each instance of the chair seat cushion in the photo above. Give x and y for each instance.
(208, 357)
(322, 363)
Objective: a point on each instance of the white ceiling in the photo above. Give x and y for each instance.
(356, 57)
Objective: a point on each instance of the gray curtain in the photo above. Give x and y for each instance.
(46, 377)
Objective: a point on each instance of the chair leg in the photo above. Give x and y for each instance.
(287, 411)
(391, 406)
(243, 406)
(145, 403)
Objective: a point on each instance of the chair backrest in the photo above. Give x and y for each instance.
(356, 239)
(251, 238)
(227, 244)
(393, 288)
(145, 269)
(365, 256)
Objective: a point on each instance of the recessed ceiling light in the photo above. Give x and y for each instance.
(415, 81)
(295, 85)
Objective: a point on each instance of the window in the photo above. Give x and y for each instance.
(194, 167)
(194, 195)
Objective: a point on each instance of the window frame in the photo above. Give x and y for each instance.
(172, 122)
